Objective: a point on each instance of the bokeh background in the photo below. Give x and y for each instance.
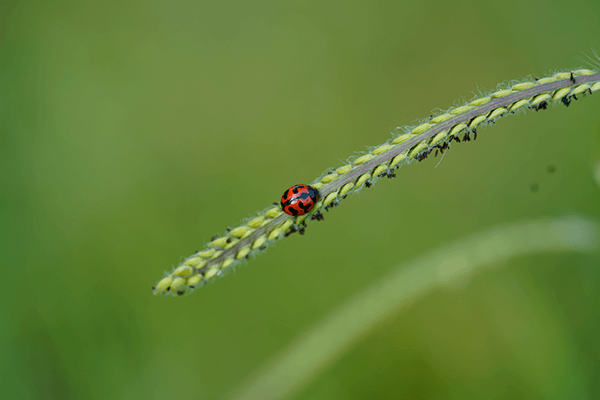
(131, 132)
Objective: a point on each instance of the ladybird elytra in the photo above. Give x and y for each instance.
(299, 199)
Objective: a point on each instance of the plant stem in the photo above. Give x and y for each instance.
(413, 143)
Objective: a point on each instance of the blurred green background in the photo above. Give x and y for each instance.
(132, 132)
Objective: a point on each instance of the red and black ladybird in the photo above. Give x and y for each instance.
(299, 199)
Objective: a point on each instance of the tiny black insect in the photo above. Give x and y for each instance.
(318, 216)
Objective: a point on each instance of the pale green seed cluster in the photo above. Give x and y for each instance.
(414, 143)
